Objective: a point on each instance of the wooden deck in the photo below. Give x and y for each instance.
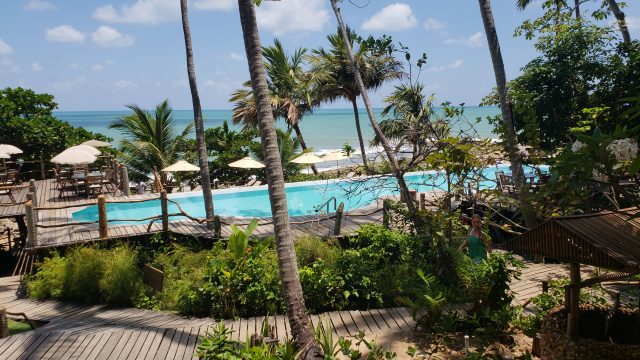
(101, 332)
(47, 196)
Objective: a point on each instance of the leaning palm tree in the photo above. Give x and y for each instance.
(290, 88)
(150, 140)
(300, 326)
(397, 171)
(335, 77)
(203, 159)
(505, 108)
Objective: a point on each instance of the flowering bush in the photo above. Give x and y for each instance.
(623, 149)
(577, 146)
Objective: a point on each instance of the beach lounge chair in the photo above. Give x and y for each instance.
(257, 183)
(252, 180)
(350, 175)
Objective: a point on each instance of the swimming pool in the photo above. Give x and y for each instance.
(302, 198)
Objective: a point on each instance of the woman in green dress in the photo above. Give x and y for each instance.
(478, 244)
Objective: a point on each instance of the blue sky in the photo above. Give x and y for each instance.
(103, 54)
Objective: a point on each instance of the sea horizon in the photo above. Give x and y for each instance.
(323, 130)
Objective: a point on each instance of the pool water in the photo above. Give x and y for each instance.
(302, 198)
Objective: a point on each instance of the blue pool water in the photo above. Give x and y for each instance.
(302, 198)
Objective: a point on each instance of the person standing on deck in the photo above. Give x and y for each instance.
(476, 242)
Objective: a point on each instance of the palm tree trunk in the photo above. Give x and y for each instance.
(301, 329)
(356, 115)
(203, 158)
(397, 172)
(505, 108)
(622, 22)
(303, 145)
(577, 8)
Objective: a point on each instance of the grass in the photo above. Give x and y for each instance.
(16, 327)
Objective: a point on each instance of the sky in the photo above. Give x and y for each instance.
(104, 54)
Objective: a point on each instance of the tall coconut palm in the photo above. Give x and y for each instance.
(301, 328)
(622, 22)
(335, 77)
(505, 108)
(397, 171)
(150, 140)
(203, 159)
(290, 87)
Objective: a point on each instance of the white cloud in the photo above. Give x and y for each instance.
(224, 5)
(394, 17)
(140, 12)
(101, 67)
(293, 16)
(236, 56)
(69, 84)
(106, 36)
(432, 24)
(39, 5)
(64, 33)
(123, 84)
(633, 22)
(74, 65)
(36, 67)
(5, 49)
(475, 40)
(454, 65)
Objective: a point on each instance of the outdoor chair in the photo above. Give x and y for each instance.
(64, 183)
(257, 183)
(505, 183)
(94, 185)
(7, 192)
(10, 178)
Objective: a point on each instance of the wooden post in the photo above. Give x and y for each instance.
(339, 211)
(217, 227)
(102, 217)
(386, 217)
(31, 197)
(32, 230)
(33, 189)
(42, 172)
(413, 194)
(574, 300)
(164, 206)
(4, 323)
(423, 201)
(545, 286)
(125, 181)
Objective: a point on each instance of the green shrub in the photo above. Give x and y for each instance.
(323, 288)
(121, 281)
(312, 248)
(85, 267)
(48, 282)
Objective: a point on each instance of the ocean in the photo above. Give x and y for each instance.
(324, 130)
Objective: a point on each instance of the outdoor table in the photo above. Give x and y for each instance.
(80, 177)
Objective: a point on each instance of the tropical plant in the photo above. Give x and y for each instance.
(300, 326)
(203, 159)
(27, 121)
(150, 140)
(511, 141)
(225, 146)
(289, 148)
(290, 88)
(335, 77)
(383, 45)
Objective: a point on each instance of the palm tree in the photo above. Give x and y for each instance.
(203, 159)
(289, 147)
(301, 328)
(290, 87)
(397, 171)
(335, 76)
(150, 140)
(622, 22)
(505, 108)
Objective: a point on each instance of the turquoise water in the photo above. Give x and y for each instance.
(325, 129)
(302, 198)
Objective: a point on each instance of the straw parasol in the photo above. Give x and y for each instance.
(336, 156)
(307, 158)
(86, 148)
(4, 155)
(247, 163)
(9, 149)
(74, 157)
(96, 143)
(181, 165)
